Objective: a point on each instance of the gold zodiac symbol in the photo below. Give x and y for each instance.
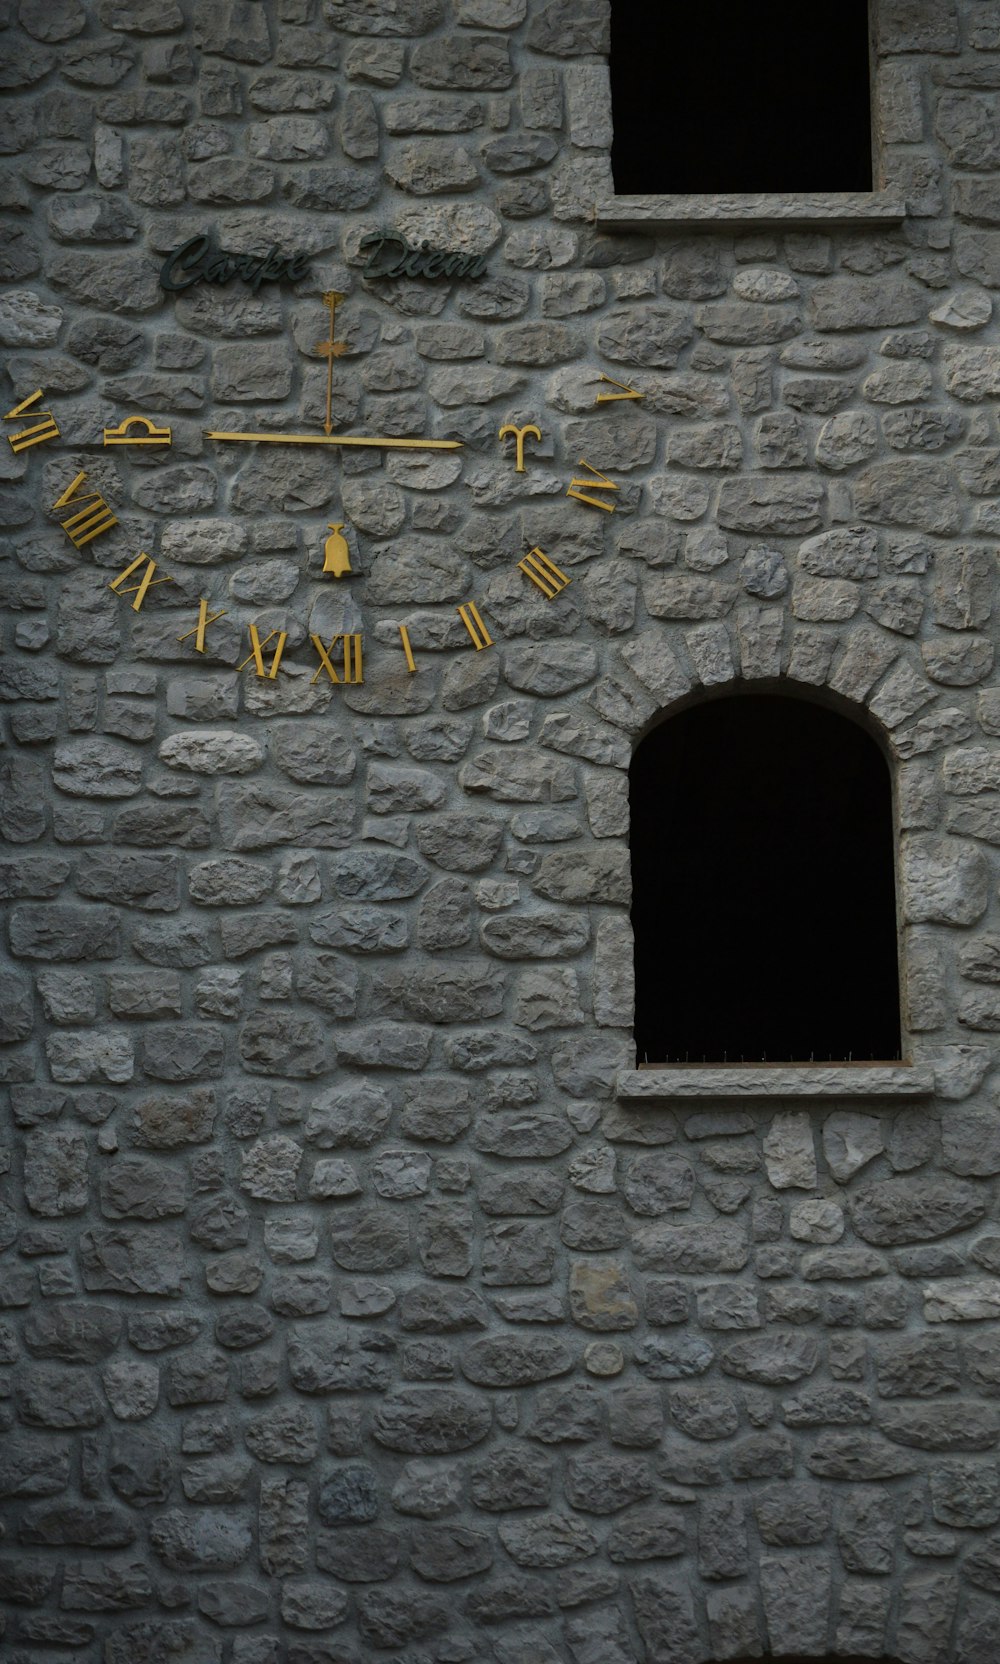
(152, 435)
(520, 435)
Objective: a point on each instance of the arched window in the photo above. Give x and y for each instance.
(763, 887)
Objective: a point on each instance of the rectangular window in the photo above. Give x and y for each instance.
(725, 96)
(725, 112)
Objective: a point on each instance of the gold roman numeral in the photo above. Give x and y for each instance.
(202, 625)
(627, 392)
(256, 654)
(544, 573)
(45, 428)
(146, 582)
(92, 517)
(352, 666)
(469, 614)
(404, 636)
(600, 482)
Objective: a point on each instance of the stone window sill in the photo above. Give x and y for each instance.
(654, 214)
(804, 1080)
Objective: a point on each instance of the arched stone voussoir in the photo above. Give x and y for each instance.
(867, 675)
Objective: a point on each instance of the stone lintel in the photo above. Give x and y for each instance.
(805, 1080)
(799, 210)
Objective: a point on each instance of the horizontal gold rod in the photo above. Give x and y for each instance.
(343, 439)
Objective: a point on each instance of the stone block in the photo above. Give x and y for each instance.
(944, 881)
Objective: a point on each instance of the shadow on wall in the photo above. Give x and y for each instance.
(763, 874)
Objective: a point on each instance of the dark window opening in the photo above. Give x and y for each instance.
(763, 888)
(723, 97)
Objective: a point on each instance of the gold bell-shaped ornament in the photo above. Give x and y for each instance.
(336, 555)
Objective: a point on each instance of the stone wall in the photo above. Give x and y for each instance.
(349, 1310)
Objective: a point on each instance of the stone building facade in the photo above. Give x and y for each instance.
(362, 1300)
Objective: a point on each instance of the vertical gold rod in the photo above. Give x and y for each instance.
(332, 349)
(328, 424)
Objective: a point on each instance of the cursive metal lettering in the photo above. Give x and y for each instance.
(199, 261)
(390, 255)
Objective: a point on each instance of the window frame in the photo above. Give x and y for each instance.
(912, 1078)
(829, 735)
(688, 1083)
(883, 205)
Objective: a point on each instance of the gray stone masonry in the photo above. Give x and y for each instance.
(349, 1312)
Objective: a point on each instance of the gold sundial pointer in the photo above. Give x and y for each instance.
(361, 439)
(331, 349)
